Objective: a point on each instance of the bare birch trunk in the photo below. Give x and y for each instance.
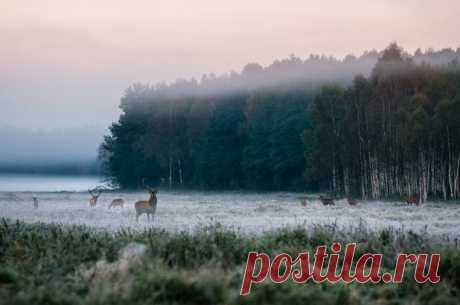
(170, 171)
(179, 166)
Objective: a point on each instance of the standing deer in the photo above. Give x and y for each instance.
(94, 197)
(147, 207)
(117, 202)
(326, 201)
(35, 202)
(304, 202)
(414, 199)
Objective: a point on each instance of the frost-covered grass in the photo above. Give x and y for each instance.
(247, 213)
(54, 264)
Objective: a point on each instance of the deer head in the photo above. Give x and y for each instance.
(95, 193)
(94, 196)
(153, 192)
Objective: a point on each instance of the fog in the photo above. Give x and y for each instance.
(245, 213)
(71, 150)
(65, 65)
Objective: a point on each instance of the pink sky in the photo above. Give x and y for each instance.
(68, 55)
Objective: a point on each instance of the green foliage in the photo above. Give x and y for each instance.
(273, 155)
(233, 141)
(224, 142)
(46, 264)
(395, 134)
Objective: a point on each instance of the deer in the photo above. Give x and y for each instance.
(94, 197)
(413, 200)
(351, 201)
(147, 206)
(117, 202)
(304, 202)
(326, 201)
(35, 202)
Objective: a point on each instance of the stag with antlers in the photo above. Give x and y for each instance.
(147, 207)
(94, 196)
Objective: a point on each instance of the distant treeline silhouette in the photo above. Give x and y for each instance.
(83, 168)
(380, 125)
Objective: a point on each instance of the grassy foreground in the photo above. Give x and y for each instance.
(52, 264)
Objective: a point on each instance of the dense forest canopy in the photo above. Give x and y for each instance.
(379, 125)
(395, 133)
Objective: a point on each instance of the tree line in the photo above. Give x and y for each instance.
(391, 132)
(395, 133)
(239, 140)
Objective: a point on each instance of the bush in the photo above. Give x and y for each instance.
(52, 264)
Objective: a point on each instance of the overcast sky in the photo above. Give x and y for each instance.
(66, 63)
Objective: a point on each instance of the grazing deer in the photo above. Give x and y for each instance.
(117, 202)
(414, 199)
(35, 202)
(351, 201)
(147, 207)
(94, 197)
(326, 201)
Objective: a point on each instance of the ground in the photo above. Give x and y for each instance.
(194, 251)
(247, 213)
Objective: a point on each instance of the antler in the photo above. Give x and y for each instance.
(98, 190)
(146, 186)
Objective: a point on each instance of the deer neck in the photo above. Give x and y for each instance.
(152, 200)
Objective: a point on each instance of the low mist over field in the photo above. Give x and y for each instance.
(70, 150)
(68, 134)
(245, 213)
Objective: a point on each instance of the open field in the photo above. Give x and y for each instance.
(247, 213)
(195, 249)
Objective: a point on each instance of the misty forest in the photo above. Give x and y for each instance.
(382, 125)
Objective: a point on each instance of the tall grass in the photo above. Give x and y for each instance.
(53, 264)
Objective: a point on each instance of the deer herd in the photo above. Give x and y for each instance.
(411, 200)
(149, 206)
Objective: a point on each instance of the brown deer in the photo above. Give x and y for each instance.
(303, 202)
(147, 207)
(413, 200)
(326, 201)
(117, 202)
(94, 196)
(35, 202)
(351, 201)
